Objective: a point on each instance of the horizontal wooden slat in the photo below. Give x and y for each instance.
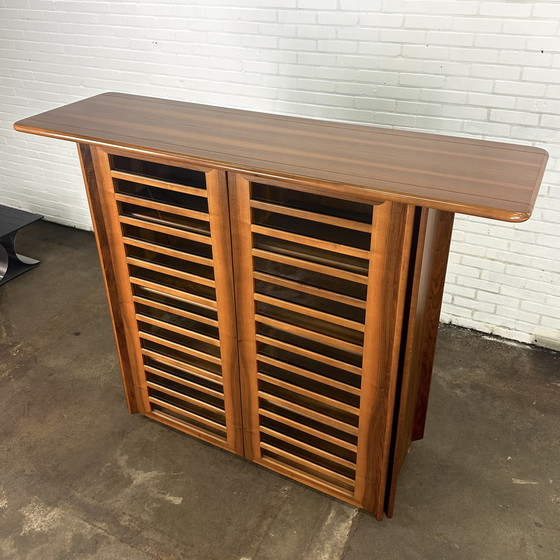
(311, 448)
(309, 354)
(342, 493)
(178, 424)
(134, 178)
(308, 413)
(308, 430)
(308, 289)
(308, 254)
(144, 224)
(310, 241)
(318, 469)
(182, 381)
(187, 398)
(177, 329)
(199, 300)
(310, 312)
(182, 366)
(309, 374)
(168, 251)
(187, 414)
(309, 334)
(162, 207)
(180, 347)
(171, 272)
(313, 216)
(308, 394)
(308, 265)
(175, 310)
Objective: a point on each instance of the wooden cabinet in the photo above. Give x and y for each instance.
(275, 283)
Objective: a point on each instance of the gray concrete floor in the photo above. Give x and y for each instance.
(80, 478)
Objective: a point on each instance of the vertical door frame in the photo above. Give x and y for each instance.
(388, 274)
(239, 196)
(220, 231)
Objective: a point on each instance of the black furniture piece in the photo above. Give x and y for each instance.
(11, 221)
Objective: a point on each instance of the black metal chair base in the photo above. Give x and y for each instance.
(13, 264)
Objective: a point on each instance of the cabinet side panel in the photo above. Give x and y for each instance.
(431, 246)
(391, 239)
(127, 330)
(434, 266)
(407, 387)
(109, 276)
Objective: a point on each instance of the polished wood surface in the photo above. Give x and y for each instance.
(245, 311)
(104, 247)
(148, 385)
(489, 179)
(129, 333)
(421, 316)
(432, 283)
(388, 273)
(220, 227)
(275, 283)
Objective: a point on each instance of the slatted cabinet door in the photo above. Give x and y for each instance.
(313, 273)
(167, 225)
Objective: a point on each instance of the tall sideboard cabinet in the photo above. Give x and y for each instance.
(275, 283)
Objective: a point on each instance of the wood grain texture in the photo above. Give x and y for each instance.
(181, 366)
(308, 265)
(388, 271)
(125, 305)
(309, 413)
(308, 374)
(308, 311)
(96, 207)
(240, 194)
(220, 229)
(314, 291)
(414, 182)
(308, 430)
(409, 361)
(427, 279)
(436, 253)
(489, 179)
(313, 216)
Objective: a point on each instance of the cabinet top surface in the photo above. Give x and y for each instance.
(489, 179)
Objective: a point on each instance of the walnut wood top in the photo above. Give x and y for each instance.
(489, 179)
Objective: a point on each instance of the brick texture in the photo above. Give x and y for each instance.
(461, 67)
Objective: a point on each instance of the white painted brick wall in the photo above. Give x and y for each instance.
(485, 69)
